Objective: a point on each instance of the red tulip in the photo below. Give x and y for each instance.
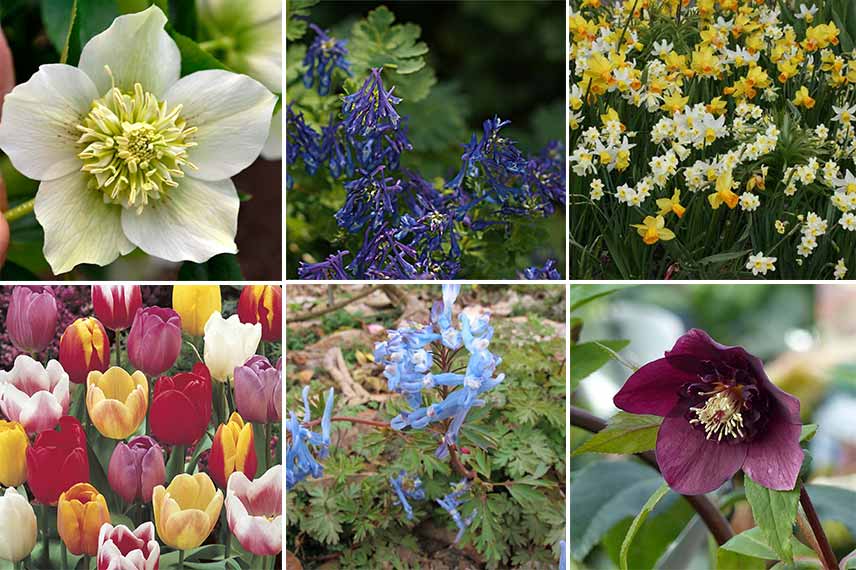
(32, 317)
(262, 304)
(181, 407)
(57, 461)
(116, 305)
(84, 347)
(155, 340)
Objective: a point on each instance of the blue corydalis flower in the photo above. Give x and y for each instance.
(323, 56)
(562, 558)
(493, 156)
(300, 462)
(549, 271)
(331, 268)
(369, 198)
(451, 504)
(407, 490)
(371, 107)
(336, 149)
(302, 141)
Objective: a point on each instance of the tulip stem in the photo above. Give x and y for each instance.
(181, 559)
(829, 560)
(118, 341)
(268, 437)
(64, 556)
(46, 546)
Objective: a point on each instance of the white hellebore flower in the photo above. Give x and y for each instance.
(34, 395)
(18, 529)
(129, 154)
(229, 343)
(247, 37)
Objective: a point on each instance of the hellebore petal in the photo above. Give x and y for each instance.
(688, 461)
(775, 457)
(653, 389)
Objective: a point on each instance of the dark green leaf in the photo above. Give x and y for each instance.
(775, 513)
(753, 543)
(296, 27)
(834, 503)
(625, 433)
(589, 357)
(223, 267)
(808, 432)
(639, 520)
(193, 57)
(584, 294)
(730, 560)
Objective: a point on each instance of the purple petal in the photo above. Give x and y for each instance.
(692, 464)
(775, 456)
(653, 389)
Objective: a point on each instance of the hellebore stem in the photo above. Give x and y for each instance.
(707, 511)
(19, 211)
(829, 560)
(46, 546)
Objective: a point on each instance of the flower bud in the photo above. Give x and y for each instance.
(13, 453)
(116, 305)
(229, 343)
(119, 548)
(32, 318)
(84, 347)
(81, 512)
(187, 510)
(117, 401)
(18, 527)
(258, 390)
(57, 460)
(195, 304)
(233, 450)
(181, 407)
(155, 340)
(136, 468)
(262, 304)
(34, 395)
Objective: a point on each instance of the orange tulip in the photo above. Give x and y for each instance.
(81, 512)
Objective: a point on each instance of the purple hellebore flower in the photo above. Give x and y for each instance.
(258, 390)
(721, 414)
(136, 468)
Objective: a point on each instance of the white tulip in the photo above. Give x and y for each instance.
(229, 343)
(18, 528)
(34, 395)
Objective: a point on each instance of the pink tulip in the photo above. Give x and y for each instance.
(258, 390)
(121, 549)
(116, 305)
(136, 468)
(34, 396)
(7, 69)
(32, 318)
(155, 340)
(254, 511)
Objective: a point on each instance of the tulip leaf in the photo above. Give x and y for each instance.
(639, 520)
(175, 464)
(589, 357)
(775, 513)
(625, 433)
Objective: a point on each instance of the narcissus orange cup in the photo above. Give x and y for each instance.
(195, 304)
(84, 347)
(254, 511)
(81, 512)
(262, 304)
(13, 453)
(233, 450)
(117, 401)
(187, 510)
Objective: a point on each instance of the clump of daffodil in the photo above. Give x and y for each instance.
(803, 99)
(653, 229)
(129, 154)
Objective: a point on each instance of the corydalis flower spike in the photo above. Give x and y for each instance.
(722, 414)
(324, 55)
(370, 107)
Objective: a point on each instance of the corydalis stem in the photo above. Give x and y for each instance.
(829, 560)
(707, 511)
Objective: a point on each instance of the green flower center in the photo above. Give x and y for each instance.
(134, 147)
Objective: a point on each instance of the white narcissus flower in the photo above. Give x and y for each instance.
(18, 529)
(247, 37)
(129, 154)
(254, 511)
(33, 395)
(229, 343)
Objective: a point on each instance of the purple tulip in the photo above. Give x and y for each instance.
(721, 414)
(32, 318)
(136, 468)
(258, 390)
(155, 340)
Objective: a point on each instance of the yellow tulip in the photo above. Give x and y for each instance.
(187, 510)
(81, 512)
(195, 304)
(117, 401)
(13, 454)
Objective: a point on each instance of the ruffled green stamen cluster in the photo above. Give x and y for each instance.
(134, 147)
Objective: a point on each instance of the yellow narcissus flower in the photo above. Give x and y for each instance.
(717, 106)
(653, 230)
(13, 453)
(187, 510)
(674, 102)
(195, 304)
(758, 180)
(672, 204)
(803, 99)
(117, 401)
(820, 37)
(598, 75)
(705, 62)
(723, 192)
(610, 115)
